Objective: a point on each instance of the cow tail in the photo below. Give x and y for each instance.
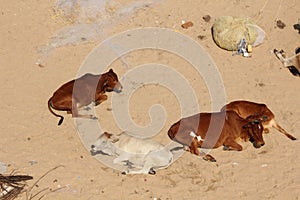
(50, 109)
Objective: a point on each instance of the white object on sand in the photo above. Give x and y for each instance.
(3, 168)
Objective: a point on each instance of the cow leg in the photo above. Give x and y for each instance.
(279, 128)
(230, 144)
(151, 171)
(157, 159)
(75, 113)
(194, 148)
(186, 148)
(122, 157)
(86, 108)
(100, 98)
(84, 116)
(147, 169)
(128, 164)
(74, 110)
(144, 170)
(153, 160)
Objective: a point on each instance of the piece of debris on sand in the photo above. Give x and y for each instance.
(206, 18)
(297, 26)
(280, 24)
(201, 37)
(292, 63)
(12, 185)
(188, 24)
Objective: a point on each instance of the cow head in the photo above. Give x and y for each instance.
(255, 131)
(111, 82)
(103, 144)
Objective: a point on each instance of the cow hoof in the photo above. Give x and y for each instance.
(292, 137)
(94, 118)
(186, 148)
(226, 148)
(124, 173)
(209, 158)
(152, 172)
(87, 108)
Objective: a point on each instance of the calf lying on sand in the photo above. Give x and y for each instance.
(88, 88)
(206, 130)
(146, 154)
(247, 108)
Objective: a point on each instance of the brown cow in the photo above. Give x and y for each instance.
(247, 108)
(89, 88)
(206, 130)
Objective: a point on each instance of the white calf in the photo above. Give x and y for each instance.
(146, 154)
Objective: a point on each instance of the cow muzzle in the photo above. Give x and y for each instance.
(118, 88)
(258, 144)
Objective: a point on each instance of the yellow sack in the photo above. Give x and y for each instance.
(228, 32)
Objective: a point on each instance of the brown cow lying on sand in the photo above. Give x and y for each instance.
(89, 88)
(203, 130)
(246, 108)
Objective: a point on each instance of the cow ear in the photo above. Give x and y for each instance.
(107, 135)
(111, 71)
(113, 138)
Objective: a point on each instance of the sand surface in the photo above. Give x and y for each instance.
(32, 143)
